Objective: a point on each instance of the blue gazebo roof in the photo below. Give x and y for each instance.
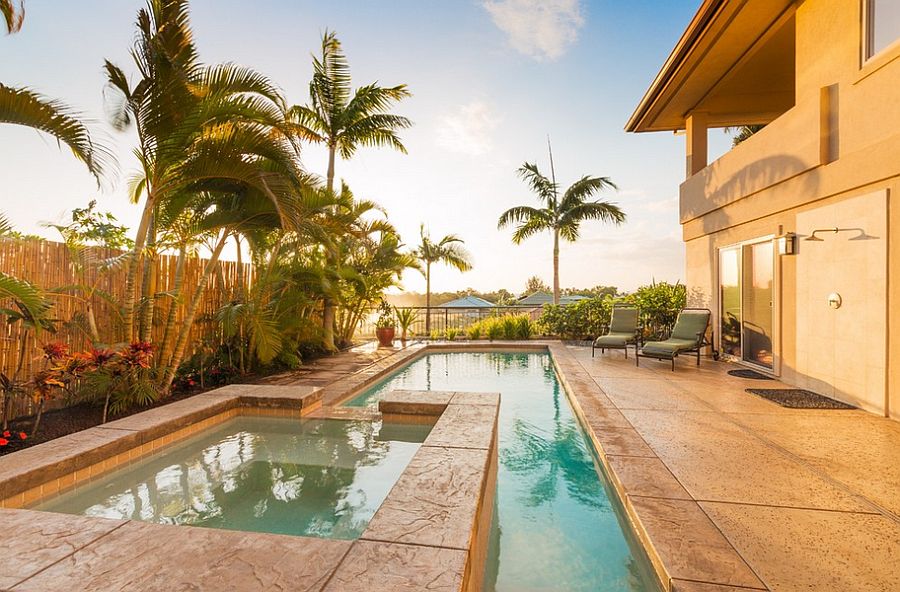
(468, 302)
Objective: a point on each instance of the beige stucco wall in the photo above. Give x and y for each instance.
(833, 159)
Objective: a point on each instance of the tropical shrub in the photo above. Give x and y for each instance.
(436, 334)
(524, 327)
(659, 302)
(10, 440)
(494, 328)
(451, 333)
(473, 331)
(579, 320)
(123, 378)
(406, 318)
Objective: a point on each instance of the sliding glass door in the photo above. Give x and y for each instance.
(746, 297)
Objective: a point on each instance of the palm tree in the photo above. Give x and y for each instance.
(450, 251)
(199, 128)
(742, 132)
(344, 120)
(561, 216)
(23, 106)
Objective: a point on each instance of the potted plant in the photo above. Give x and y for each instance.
(384, 326)
(406, 317)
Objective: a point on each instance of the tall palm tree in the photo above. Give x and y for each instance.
(449, 250)
(562, 216)
(343, 120)
(23, 106)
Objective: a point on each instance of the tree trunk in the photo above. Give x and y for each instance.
(106, 404)
(187, 323)
(163, 352)
(428, 298)
(133, 263)
(327, 302)
(92, 322)
(239, 291)
(37, 418)
(148, 285)
(555, 267)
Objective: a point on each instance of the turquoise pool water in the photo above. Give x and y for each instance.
(556, 526)
(322, 478)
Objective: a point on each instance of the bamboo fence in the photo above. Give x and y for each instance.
(49, 265)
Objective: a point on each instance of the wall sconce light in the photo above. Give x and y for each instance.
(787, 244)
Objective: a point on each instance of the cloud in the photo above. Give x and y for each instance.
(468, 129)
(541, 29)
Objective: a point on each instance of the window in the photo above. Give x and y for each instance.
(882, 25)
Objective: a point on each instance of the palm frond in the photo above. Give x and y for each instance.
(545, 189)
(12, 15)
(22, 106)
(521, 214)
(584, 188)
(27, 296)
(529, 228)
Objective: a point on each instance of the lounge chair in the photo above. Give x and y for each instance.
(688, 336)
(623, 330)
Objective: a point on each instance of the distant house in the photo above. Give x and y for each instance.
(542, 298)
(468, 302)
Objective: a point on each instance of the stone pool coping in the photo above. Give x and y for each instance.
(430, 532)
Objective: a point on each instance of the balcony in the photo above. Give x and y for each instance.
(788, 146)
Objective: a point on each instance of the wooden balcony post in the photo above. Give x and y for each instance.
(695, 126)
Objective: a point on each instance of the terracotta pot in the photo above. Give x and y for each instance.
(385, 336)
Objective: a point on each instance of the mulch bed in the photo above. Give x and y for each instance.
(68, 420)
(799, 399)
(748, 373)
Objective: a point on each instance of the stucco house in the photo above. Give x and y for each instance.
(789, 234)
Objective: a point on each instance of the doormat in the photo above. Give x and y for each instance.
(799, 399)
(747, 373)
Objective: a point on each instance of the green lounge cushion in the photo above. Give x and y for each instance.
(668, 348)
(624, 320)
(615, 339)
(690, 324)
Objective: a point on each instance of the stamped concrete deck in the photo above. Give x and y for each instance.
(734, 492)
(729, 492)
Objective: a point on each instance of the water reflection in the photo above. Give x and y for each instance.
(554, 527)
(320, 478)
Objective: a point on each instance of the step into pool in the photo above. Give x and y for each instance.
(557, 523)
(321, 478)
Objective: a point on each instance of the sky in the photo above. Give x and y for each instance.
(491, 80)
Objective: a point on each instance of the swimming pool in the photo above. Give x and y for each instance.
(322, 478)
(557, 523)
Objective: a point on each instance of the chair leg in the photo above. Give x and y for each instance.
(698, 357)
(673, 363)
(626, 351)
(592, 350)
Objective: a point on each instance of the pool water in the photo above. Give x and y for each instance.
(556, 524)
(321, 478)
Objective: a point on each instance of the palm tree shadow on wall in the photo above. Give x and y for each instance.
(763, 173)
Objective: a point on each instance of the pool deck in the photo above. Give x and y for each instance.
(727, 491)
(735, 492)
